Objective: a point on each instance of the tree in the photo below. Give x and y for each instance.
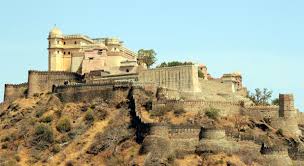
(201, 74)
(147, 56)
(261, 97)
(173, 63)
(275, 101)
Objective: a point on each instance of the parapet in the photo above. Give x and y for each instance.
(15, 91)
(43, 81)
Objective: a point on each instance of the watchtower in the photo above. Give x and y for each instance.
(286, 102)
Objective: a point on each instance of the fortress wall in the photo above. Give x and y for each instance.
(15, 91)
(42, 82)
(213, 134)
(183, 78)
(300, 117)
(288, 125)
(278, 158)
(227, 108)
(183, 139)
(216, 86)
(87, 92)
(260, 112)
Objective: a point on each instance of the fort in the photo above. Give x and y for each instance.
(85, 69)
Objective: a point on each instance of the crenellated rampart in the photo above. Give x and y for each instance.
(15, 91)
(226, 108)
(87, 92)
(43, 81)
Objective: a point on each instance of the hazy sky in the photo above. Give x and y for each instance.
(262, 39)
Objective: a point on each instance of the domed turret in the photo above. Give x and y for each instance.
(55, 32)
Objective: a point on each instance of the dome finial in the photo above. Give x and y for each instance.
(55, 31)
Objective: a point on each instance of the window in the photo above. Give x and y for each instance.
(57, 42)
(91, 58)
(69, 53)
(63, 43)
(64, 53)
(57, 52)
(127, 70)
(75, 42)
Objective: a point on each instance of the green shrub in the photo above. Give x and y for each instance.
(212, 113)
(4, 146)
(43, 132)
(6, 139)
(63, 125)
(201, 74)
(178, 111)
(56, 148)
(280, 132)
(89, 116)
(47, 119)
(17, 158)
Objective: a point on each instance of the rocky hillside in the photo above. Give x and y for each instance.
(42, 130)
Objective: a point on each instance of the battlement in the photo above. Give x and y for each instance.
(200, 102)
(263, 108)
(53, 73)
(86, 92)
(15, 91)
(59, 88)
(43, 81)
(25, 84)
(78, 36)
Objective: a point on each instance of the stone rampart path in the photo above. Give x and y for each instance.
(80, 145)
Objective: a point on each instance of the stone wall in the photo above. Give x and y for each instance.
(15, 91)
(183, 139)
(42, 82)
(227, 108)
(261, 112)
(183, 78)
(87, 92)
(216, 86)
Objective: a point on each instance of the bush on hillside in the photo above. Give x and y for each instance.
(89, 116)
(43, 136)
(63, 125)
(47, 119)
(179, 111)
(212, 113)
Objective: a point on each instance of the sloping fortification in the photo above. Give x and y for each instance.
(87, 92)
(15, 91)
(183, 78)
(42, 82)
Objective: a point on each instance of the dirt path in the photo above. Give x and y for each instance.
(80, 145)
(23, 154)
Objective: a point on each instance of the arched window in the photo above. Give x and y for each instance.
(57, 52)
(127, 70)
(63, 53)
(69, 53)
(63, 43)
(57, 42)
(75, 42)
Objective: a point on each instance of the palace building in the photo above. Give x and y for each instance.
(82, 54)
